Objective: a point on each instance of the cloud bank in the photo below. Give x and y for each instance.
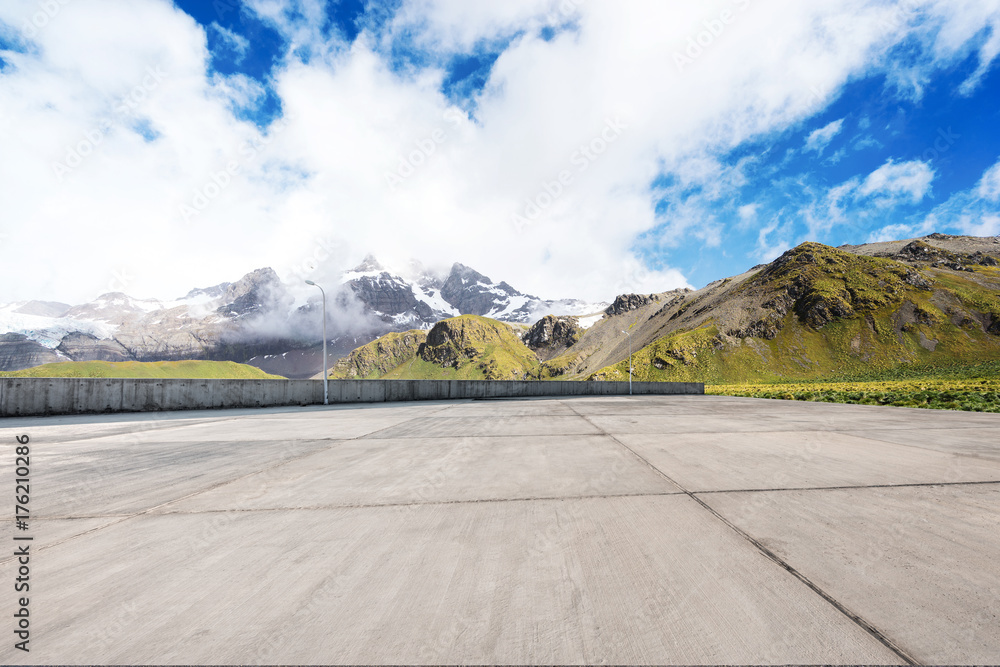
(600, 145)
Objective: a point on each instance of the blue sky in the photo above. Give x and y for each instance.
(571, 147)
(870, 123)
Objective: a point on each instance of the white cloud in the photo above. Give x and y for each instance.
(989, 184)
(768, 250)
(858, 199)
(238, 44)
(274, 198)
(974, 212)
(894, 181)
(461, 25)
(988, 52)
(819, 139)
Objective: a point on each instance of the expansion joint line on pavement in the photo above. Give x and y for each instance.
(770, 555)
(217, 485)
(848, 487)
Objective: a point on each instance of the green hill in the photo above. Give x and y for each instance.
(817, 312)
(374, 360)
(196, 370)
(873, 312)
(461, 348)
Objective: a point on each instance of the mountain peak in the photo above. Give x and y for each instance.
(369, 263)
(256, 291)
(467, 274)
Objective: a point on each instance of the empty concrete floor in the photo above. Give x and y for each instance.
(688, 529)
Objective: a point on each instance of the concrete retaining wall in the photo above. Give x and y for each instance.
(57, 396)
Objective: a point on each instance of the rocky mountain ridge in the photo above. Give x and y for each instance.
(812, 312)
(258, 320)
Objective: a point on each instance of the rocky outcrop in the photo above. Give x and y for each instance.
(17, 352)
(919, 252)
(472, 293)
(551, 335)
(492, 347)
(628, 302)
(449, 341)
(822, 284)
(389, 296)
(87, 347)
(162, 346)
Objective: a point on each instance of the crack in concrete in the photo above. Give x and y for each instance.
(874, 632)
(850, 486)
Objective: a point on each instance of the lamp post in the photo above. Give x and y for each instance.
(326, 380)
(629, 361)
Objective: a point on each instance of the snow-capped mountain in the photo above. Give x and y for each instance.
(257, 320)
(416, 298)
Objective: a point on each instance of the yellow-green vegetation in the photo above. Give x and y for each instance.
(972, 295)
(194, 370)
(374, 360)
(815, 313)
(981, 395)
(833, 313)
(828, 283)
(974, 387)
(469, 348)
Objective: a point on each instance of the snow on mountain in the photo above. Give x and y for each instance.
(257, 318)
(590, 320)
(432, 297)
(47, 330)
(417, 298)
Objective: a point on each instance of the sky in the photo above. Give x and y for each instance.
(573, 148)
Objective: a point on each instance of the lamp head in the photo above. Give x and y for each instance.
(309, 282)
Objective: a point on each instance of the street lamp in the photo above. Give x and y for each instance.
(629, 361)
(326, 380)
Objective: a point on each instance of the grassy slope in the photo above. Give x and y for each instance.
(227, 370)
(469, 348)
(375, 359)
(870, 338)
